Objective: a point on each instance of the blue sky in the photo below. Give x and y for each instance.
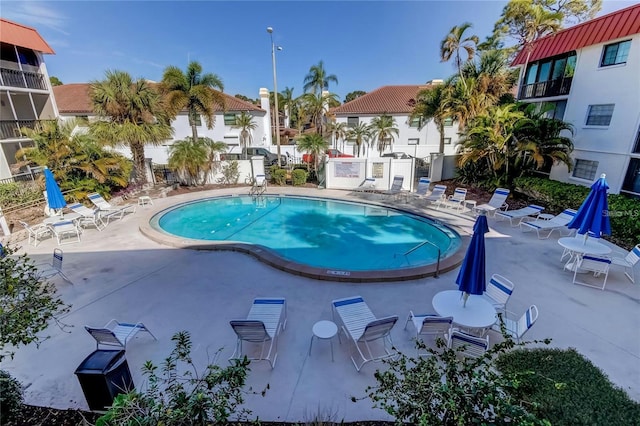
(365, 44)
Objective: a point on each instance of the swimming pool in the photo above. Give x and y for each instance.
(338, 237)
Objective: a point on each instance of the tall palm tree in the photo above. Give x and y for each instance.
(245, 123)
(315, 106)
(431, 105)
(194, 91)
(189, 159)
(318, 79)
(130, 113)
(288, 100)
(492, 73)
(314, 145)
(338, 131)
(360, 134)
(456, 41)
(383, 129)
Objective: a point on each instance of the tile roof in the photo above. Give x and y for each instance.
(23, 36)
(621, 23)
(386, 99)
(74, 98)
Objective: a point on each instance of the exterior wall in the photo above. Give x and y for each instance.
(610, 145)
(428, 137)
(349, 173)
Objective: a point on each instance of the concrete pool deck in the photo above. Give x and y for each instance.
(119, 273)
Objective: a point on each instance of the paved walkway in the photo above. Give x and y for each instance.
(119, 273)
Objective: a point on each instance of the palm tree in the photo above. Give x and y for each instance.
(194, 91)
(245, 123)
(383, 129)
(288, 100)
(492, 73)
(338, 131)
(315, 106)
(129, 113)
(431, 105)
(188, 159)
(318, 80)
(314, 145)
(455, 41)
(360, 134)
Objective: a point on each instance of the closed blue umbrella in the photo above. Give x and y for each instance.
(592, 217)
(471, 278)
(55, 200)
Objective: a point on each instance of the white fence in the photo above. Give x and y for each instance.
(348, 173)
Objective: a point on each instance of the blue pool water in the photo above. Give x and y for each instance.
(314, 231)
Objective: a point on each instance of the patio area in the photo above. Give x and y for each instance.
(119, 273)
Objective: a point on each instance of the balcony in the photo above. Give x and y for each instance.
(27, 79)
(545, 89)
(10, 129)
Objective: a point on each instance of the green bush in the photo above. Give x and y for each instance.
(556, 196)
(567, 389)
(279, 176)
(299, 177)
(15, 194)
(230, 173)
(10, 397)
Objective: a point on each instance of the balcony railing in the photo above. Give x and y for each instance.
(17, 78)
(10, 129)
(544, 89)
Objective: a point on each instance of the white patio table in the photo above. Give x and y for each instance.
(579, 247)
(478, 312)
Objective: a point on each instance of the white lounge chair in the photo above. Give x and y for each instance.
(467, 345)
(599, 265)
(35, 231)
(498, 292)
(628, 262)
(497, 202)
(116, 333)
(266, 319)
(455, 200)
(367, 185)
(431, 326)
(362, 328)
(558, 222)
(259, 185)
(531, 210)
(65, 232)
(437, 195)
(423, 188)
(517, 328)
(396, 187)
(108, 210)
(88, 216)
(48, 270)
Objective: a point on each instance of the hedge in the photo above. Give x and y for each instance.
(563, 387)
(299, 177)
(557, 196)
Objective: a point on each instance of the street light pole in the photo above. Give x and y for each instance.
(275, 91)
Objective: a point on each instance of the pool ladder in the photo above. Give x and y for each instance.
(436, 275)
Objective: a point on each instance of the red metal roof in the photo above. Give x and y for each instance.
(618, 24)
(386, 99)
(23, 36)
(74, 98)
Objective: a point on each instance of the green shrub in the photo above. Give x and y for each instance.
(279, 176)
(10, 397)
(556, 196)
(299, 177)
(15, 194)
(567, 389)
(230, 173)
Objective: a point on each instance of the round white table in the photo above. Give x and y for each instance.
(577, 246)
(324, 330)
(478, 312)
(69, 217)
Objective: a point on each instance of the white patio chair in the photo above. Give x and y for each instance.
(531, 210)
(455, 200)
(116, 333)
(498, 291)
(589, 263)
(497, 202)
(396, 187)
(36, 231)
(431, 326)
(108, 210)
(367, 185)
(517, 328)
(267, 318)
(628, 262)
(437, 195)
(48, 270)
(65, 232)
(467, 345)
(363, 329)
(88, 216)
(259, 185)
(422, 190)
(558, 222)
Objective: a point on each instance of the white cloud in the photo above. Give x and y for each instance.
(36, 14)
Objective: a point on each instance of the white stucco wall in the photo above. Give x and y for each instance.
(594, 85)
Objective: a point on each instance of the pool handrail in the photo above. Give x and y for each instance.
(437, 273)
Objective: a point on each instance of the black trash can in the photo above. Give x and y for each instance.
(103, 375)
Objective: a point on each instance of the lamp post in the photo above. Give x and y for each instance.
(275, 90)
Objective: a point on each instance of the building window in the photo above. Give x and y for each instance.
(632, 178)
(352, 121)
(415, 122)
(414, 141)
(600, 115)
(229, 119)
(448, 122)
(555, 109)
(636, 146)
(447, 141)
(585, 169)
(615, 54)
